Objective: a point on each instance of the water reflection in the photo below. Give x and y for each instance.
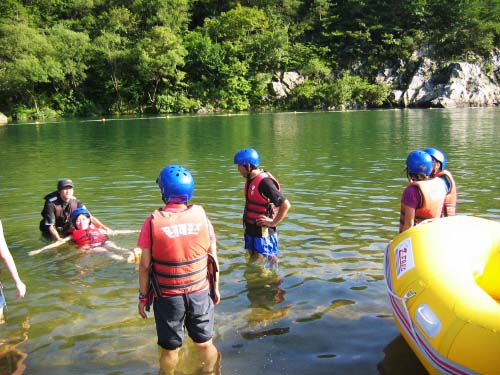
(267, 302)
(12, 356)
(325, 309)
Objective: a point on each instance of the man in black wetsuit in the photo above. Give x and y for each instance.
(57, 211)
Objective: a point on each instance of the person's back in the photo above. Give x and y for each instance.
(424, 197)
(177, 242)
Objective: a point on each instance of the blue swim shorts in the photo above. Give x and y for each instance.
(266, 246)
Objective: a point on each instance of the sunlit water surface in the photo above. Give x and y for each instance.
(324, 311)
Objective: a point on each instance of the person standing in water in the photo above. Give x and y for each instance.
(178, 245)
(9, 263)
(265, 207)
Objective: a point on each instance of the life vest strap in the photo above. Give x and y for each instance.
(183, 286)
(183, 263)
(179, 276)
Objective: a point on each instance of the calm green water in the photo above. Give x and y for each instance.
(325, 310)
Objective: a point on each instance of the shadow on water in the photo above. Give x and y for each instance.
(400, 359)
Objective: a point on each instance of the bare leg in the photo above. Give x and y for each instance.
(208, 357)
(168, 361)
(103, 249)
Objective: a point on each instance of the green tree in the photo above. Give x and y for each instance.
(113, 64)
(454, 28)
(362, 36)
(161, 54)
(28, 65)
(70, 50)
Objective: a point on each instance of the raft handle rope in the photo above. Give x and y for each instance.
(408, 295)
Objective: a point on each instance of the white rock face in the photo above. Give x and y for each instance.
(457, 84)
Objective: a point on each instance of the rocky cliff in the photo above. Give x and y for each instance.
(423, 82)
(427, 83)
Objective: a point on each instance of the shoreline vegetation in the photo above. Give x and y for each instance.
(61, 59)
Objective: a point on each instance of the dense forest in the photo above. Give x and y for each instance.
(96, 57)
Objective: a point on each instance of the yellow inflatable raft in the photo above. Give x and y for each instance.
(443, 280)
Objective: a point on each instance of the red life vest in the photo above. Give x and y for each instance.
(450, 202)
(88, 237)
(257, 205)
(180, 243)
(433, 193)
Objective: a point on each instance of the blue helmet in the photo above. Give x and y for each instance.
(438, 155)
(247, 156)
(419, 162)
(176, 184)
(79, 211)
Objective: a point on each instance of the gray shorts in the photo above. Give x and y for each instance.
(194, 312)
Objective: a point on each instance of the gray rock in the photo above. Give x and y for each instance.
(447, 85)
(3, 119)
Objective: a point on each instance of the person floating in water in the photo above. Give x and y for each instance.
(88, 237)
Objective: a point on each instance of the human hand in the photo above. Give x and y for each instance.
(264, 221)
(142, 310)
(216, 297)
(21, 289)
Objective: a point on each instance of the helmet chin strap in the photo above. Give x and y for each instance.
(249, 170)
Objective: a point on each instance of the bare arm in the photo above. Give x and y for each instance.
(7, 259)
(282, 211)
(54, 233)
(144, 269)
(51, 246)
(409, 217)
(213, 251)
(100, 225)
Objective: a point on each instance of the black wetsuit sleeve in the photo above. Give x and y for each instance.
(269, 190)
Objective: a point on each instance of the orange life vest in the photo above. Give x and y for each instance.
(256, 205)
(433, 193)
(180, 243)
(450, 202)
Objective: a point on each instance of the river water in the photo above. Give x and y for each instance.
(323, 311)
